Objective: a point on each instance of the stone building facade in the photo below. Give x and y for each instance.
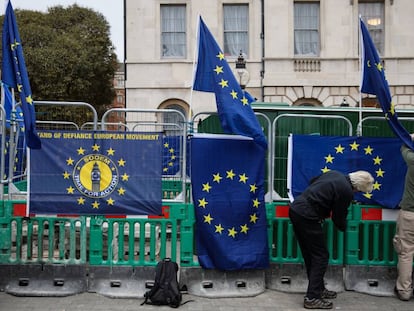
(303, 52)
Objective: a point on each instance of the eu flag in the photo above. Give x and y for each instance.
(171, 155)
(227, 175)
(96, 173)
(14, 74)
(375, 83)
(213, 74)
(379, 156)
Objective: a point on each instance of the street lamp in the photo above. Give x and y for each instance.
(241, 70)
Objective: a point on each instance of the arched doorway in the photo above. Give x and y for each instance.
(173, 118)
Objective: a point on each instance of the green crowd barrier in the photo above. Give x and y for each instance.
(369, 242)
(283, 245)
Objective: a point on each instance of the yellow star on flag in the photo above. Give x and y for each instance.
(208, 219)
(253, 218)
(224, 83)
(377, 160)
(368, 150)
(206, 187)
(110, 151)
(219, 228)
(217, 178)
(220, 56)
(329, 158)
(339, 149)
(244, 228)
(233, 94)
(376, 186)
(202, 203)
(325, 169)
(243, 178)
(253, 188)
(354, 146)
(232, 232)
(244, 101)
(230, 174)
(218, 69)
(380, 173)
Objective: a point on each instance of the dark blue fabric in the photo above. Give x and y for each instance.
(228, 192)
(14, 74)
(379, 156)
(109, 173)
(375, 83)
(213, 74)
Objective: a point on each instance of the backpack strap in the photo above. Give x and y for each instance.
(146, 299)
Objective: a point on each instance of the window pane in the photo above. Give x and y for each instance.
(173, 34)
(306, 28)
(372, 14)
(236, 18)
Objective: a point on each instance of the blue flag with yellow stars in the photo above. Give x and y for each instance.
(213, 74)
(227, 176)
(375, 83)
(379, 156)
(14, 74)
(98, 173)
(171, 155)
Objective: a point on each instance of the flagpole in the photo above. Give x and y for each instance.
(3, 142)
(361, 53)
(12, 144)
(194, 74)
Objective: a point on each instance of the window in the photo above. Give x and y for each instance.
(306, 32)
(120, 81)
(120, 99)
(236, 25)
(173, 35)
(372, 13)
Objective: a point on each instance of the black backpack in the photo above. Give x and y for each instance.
(166, 290)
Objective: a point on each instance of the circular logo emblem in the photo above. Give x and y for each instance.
(95, 175)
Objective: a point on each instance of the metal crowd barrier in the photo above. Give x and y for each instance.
(57, 255)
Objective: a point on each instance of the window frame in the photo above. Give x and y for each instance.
(165, 33)
(302, 51)
(376, 31)
(237, 31)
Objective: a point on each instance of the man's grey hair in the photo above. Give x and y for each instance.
(362, 181)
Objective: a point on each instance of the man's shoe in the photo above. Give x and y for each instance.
(400, 295)
(317, 303)
(328, 294)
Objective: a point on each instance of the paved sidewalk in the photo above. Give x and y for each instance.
(269, 300)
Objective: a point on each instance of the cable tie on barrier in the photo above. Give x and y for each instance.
(207, 284)
(58, 282)
(116, 283)
(149, 284)
(285, 279)
(240, 284)
(23, 282)
(372, 282)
